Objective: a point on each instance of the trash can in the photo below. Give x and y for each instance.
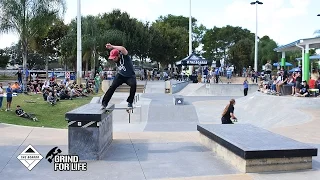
(167, 87)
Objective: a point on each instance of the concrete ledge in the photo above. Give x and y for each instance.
(178, 100)
(256, 165)
(253, 149)
(90, 131)
(286, 89)
(177, 86)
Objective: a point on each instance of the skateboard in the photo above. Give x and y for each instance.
(128, 109)
(234, 120)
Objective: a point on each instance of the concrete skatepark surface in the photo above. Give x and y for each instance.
(201, 89)
(162, 142)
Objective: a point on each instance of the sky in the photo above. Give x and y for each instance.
(284, 21)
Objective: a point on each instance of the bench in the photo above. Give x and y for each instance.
(90, 131)
(253, 149)
(286, 89)
(314, 92)
(178, 100)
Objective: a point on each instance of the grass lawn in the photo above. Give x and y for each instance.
(48, 115)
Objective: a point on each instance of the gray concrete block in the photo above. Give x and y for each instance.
(256, 165)
(178, 100)
(89, 136)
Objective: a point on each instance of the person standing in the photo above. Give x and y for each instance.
(1, 96)
(19, 73)
(229, 74)
(126, 74)
(217, 74)
(9, 97)
(245, 87)
(268, 69)
(228, 113)
(298, 81)
(97, 82)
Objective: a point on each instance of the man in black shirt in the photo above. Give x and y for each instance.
(126, 74)
(228, 113)
(20, 112)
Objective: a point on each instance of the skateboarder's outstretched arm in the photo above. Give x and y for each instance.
(120, 48)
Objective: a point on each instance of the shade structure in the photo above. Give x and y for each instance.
(296, 69)
(278, 64)
(193, 60)
(316, 57)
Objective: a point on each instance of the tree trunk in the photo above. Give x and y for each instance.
(47, 66)
(87, 66)
(93, 67)
(24, 64)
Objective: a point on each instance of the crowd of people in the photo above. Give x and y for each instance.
(298, 86)
(52, 91)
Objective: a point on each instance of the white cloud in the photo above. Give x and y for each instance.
(274, 17)
(7, 40)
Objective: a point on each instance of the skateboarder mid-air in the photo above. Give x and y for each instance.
(126, 74)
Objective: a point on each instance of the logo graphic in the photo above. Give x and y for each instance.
(65, 162)
(30, 157)
(52, 153)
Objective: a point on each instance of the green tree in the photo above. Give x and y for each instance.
(265, 51)
(49, 44)
(28, 18)
(240, 54)
(169, 44)
(4, 58)
(218, 41)
(181, 21)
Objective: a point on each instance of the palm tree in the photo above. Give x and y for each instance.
(29, 18)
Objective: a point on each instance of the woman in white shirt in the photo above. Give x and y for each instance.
(1, 96)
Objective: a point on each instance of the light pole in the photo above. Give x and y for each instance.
(79, 49)
(256, 36)
(190, 36)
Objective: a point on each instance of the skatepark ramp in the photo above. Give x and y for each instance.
(217, 90)
(189, 89)
(261, 110)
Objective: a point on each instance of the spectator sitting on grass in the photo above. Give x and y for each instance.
(64, 94)
(81, 90)
(74, 92)
(16, 88)
(45, 94)
(51, 99)
(304, 90)
(20, 112)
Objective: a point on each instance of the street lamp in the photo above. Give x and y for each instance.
(256, 37)
(79, 49)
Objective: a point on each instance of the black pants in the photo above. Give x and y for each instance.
(118, 81)
(245, 91)
(217, 79)
(226, 121)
